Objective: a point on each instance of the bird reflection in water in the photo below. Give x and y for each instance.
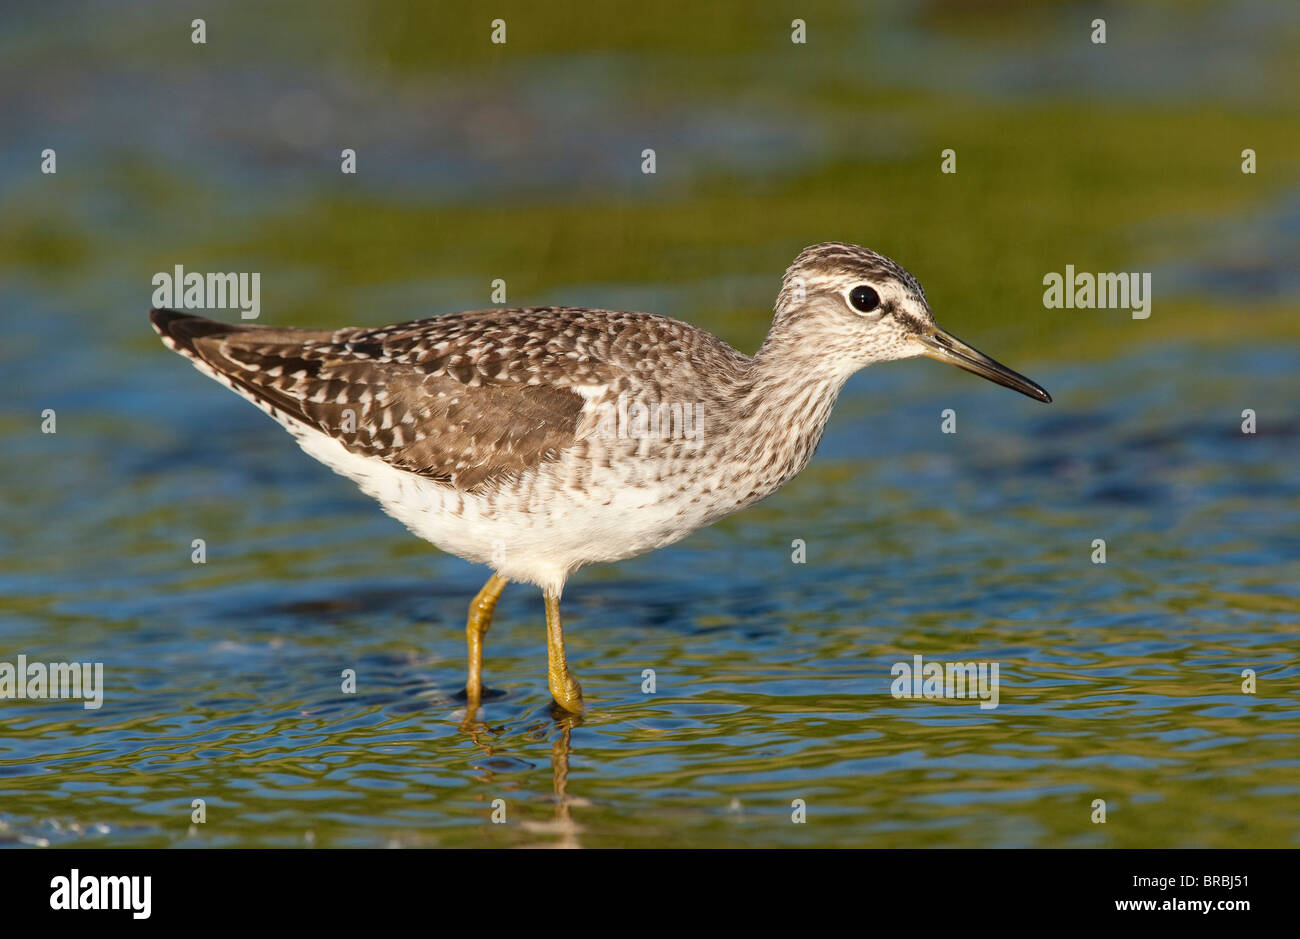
(562, 827)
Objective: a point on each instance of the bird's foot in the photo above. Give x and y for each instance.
(567, 695)
(483, 694)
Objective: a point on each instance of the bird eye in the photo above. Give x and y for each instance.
(864, 299)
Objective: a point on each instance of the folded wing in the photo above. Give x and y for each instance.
(462, 401)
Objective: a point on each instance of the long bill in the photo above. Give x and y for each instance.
(945, 347)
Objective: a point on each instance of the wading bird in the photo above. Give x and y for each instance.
(522, 439)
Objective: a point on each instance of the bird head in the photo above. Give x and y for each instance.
(856, 307)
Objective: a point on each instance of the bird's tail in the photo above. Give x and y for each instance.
(261, 363)
(180, 331)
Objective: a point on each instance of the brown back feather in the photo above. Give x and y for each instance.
(440, 403)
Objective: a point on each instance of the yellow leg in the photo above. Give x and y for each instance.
(564, 688)
(480, 617)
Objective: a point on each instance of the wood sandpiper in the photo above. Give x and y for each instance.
(539, 440)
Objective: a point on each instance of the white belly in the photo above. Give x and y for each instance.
(540, 529)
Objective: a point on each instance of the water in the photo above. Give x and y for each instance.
(1120, 682)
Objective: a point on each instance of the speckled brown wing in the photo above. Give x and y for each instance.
(458, 399)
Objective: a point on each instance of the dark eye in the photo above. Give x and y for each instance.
(864, 299)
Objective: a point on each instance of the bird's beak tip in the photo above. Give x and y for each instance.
(945, 347)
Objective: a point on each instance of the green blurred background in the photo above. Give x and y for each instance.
(522, 161)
